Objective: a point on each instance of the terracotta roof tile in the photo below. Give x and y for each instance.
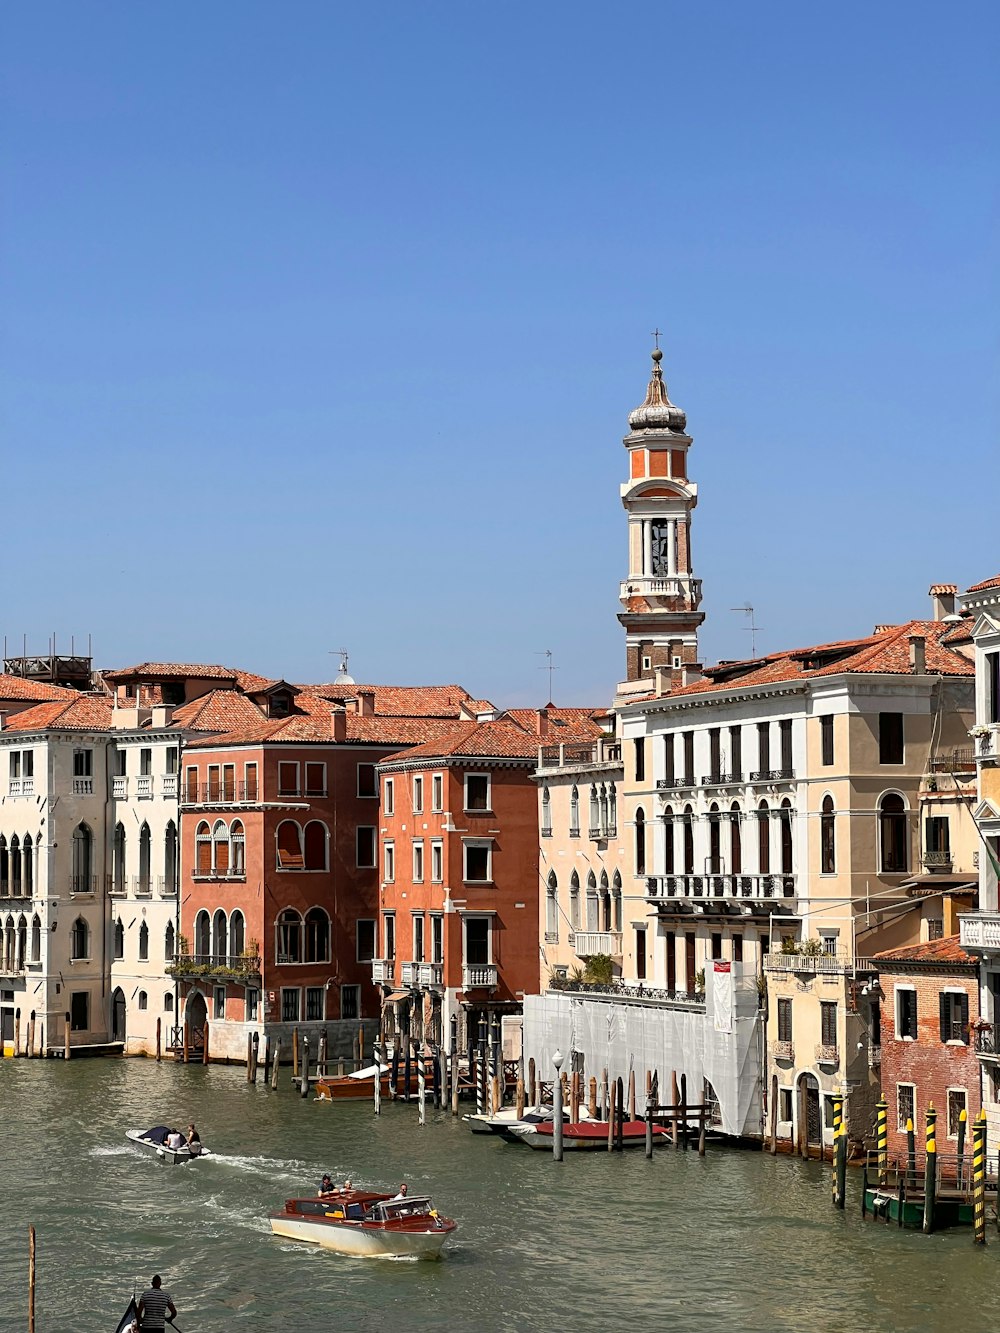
(83, 712)
(948, 950)
(986, 583)
(218, 710)
(401, 700)
(17, 689)
(173, 671)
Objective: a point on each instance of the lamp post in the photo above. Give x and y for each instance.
(557, 1109)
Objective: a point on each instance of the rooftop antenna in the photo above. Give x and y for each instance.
(753, 627)
(547, 666)
(343, 675)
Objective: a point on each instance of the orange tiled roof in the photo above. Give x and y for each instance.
(83, 712)
(401, 700)
(579, 719)
(17, 689)
(939, 952)
(173, 671)
(508, 737)
(986, 583)
(315, 725)
(218, 710)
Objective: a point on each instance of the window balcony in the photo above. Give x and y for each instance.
(225, 793)
(721, 779)
(827, 1055)
(421, 976)
(142, 886)
(743, 888)
(987, 744)
(238, 966)
(144, 786)
(83, 786)
(479, 976)
(552, 937)
(22, 786)
(936, 860)
(987, 1041)
(783, 1050)
(589, 943)
(166, 888)
(117, 888)
(83, 884)
(773, 775)
(383, 971)
(168, 784)
(11, 969)
(980, 932)
(676, 784)
(119, 787)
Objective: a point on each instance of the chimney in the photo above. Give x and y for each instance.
(366, 703)
(3, 721)
(162, 715)
(690, 672)
(662, 681)
(338, 724)
(918, 654)
(542, 722)
(942, 597)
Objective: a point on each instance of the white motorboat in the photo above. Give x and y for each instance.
(154, 1141)
(506, 1117)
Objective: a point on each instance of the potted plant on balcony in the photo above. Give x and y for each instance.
(600, 970)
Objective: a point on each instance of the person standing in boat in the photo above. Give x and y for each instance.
(155, 1307)
(326, 1185)
(193, 1140)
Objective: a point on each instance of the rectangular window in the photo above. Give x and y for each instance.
(388, 802)
(389, 921)
(389, 862)
(218, 1002)
(477, 941)
(992, 664)
(668, 760)
(291, 1002)
(418, 937)
(350, 1001)
(145, 761)
(640, 759)
(784, 1020)
(905, 1103)
(79, 1011)
(418, 795)
(83, 763)
(828, 1022)
(316, 779)
(785, 1104)
(906, 1013)
(367, 780)
(250, 778)
(418, 862)
(826, 738)
(785, 738)
(15, 764)
(935, 928)
(828, 941)
(640, 953)
(229, 782)
(121, 764)
(737, 948)
(764, 746)
(171, 756)
(437, 862)
(477, 791)
(437, 938)
(214, 782)
(366, 940)
(366, 847)
(288, 779)
(191, 783)
(957, 1103)
(715, 753)
(890, 738)
(953, 1007)
(716, 945)
(315, 1004)
(252, 1002)
(937, 840)
(736, 751)
(689, 758)
(437, 793)
(477, 856)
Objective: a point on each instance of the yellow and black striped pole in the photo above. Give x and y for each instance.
(882, 1138)
(979, 1180)
(962, 1125)
(838, 1117)
(911, 1152)
(840, 1183)
(930, 1170)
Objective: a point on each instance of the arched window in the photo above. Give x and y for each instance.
(145, 849)
(318, 936)
(170, 858)
(119, 939)
(168, 942)
(288, 929)
(315, 841)
(79, 937)
(552, 909)
(27, 867)
(827, 838)
(143, 943)
(203, 936)
(763, 838)
(83, 860)
(119, 858)
(36, 940)
(714, 839)
(595, 812)
(616, 900)
(893, 837)
(640, 841)
(289, 839)
(668, 840)
(735, 840)
(203, 850)
(143, 1000)
(15, 866)
(237, 849)
(605, 902)
(4, 868)
(237, 934)
(612, 811)
(592, 904)
(22, 943)
(574, 901)
(688, 822)
(168, 1002)
(785, 823)
(8, 948)
(546, 813)
(220, 934)
(574, 813)
(220, 847)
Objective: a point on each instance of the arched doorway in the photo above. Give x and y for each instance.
(810, 1124)
(196, 1017)
(118, 1014)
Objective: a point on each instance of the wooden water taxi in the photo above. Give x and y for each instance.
(360, 1086)
(366, 1225)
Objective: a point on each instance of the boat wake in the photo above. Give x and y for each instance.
(119, 1150)
(271, 1167)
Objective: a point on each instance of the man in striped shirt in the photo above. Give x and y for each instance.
(154, 1305)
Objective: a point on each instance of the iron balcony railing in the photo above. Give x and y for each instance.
(986, 1042)
(660, 888)
(223, 793)
(772, 775)
(83, 883)
(675, 783)
(936, 858)
(954, 761)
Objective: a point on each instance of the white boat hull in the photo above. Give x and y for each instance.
(360, 1241)
(172, 1156)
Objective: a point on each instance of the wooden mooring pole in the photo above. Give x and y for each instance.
(31, 1280)
(531, 1083)
(159, 1040)
(838, 1114)
(66, 1051)
(275, 1062)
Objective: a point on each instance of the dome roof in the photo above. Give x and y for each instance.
(656, 411)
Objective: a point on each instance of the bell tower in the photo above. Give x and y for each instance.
(660, 598)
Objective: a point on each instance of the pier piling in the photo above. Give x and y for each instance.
(31, 1280)
(249, 1053)
(675, 1099)
(592, 1098)
(295, 1052)
(649, 1124)
(882, 1135)
(979, 1180)
(620, 1123)
(960, 1151)
(454, 1080)
(67, 1032)
(304, 1077)
(612, 1093)
(531, 1082)
(159, 1040)
(186, 1040)
(631, 1094)
(930, 1171)
(275, 1062)
(684, 1110)
(911, 1156)
(838, 1115)
(204, 1046)
(605, 1096)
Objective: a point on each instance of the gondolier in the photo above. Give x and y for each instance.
(154, 1307)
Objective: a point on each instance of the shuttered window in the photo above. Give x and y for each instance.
(954, 1015)
(289, 845)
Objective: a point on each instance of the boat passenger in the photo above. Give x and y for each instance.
(193, 1140)
(154, 1306)
(401, 1193)
(326, 1186)
(175, 1140)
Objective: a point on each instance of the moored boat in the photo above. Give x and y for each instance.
(366, 1225)
(506, 1117)
(586, 1135)
(154, 1141)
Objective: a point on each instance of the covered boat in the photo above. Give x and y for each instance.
(366, 1225)
(586, 1135)
(155, 1141)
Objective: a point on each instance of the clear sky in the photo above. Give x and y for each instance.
(320, 324)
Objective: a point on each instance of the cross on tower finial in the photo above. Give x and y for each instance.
(656, 335)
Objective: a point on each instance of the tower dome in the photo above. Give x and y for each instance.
(656, 411)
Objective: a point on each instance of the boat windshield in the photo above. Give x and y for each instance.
(396, 1208)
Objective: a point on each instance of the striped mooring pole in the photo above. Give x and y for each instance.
(979, 1179)
(838, 1120)
(960, 1154)
(930, 1170)
(882, 1135)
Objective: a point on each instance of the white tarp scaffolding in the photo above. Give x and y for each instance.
(620, 1032)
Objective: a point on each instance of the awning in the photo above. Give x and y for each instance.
(395, 995)
(930, 883)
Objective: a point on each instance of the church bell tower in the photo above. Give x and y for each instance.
(660, 598)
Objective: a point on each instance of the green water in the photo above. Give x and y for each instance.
(736, 1241)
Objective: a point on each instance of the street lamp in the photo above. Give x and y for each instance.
(557, 1109)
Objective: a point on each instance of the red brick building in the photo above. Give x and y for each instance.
(929, 1012)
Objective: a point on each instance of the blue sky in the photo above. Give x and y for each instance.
(320, 324)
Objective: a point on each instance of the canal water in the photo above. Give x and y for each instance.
(737, 1241)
